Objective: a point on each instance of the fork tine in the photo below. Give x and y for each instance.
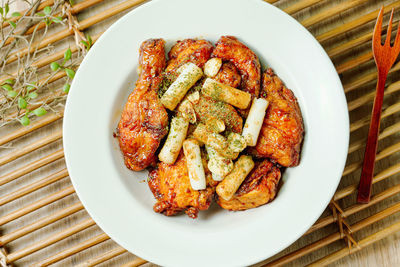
(389, 30)
(378, 30)
(396, 44)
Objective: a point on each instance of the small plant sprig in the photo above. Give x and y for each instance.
(26, 93)
(4, 12)
(55, 66)
(48, 18)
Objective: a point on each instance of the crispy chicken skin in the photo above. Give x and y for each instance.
(171, 187)
(246, 61)
(228, 75)
(144, 120)
(208, 108)
(189, 50)
(259, 188)
(282, 132)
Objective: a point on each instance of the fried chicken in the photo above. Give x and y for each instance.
(144, 120)
(246, 61)
(189, 50)
(259, 188)
(171, 187)
(229, 75)
(282, 131)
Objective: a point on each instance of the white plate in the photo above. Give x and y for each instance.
(120, 201)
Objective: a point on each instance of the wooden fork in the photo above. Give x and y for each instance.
(385, 55)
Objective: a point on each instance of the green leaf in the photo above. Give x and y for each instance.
(12, 93)
(1, 11)
(57, 19)
(47, 10)
(71, 2)
(30, 88)
(32, 95)
(22, 103)
(89, 39)
(66, 88)
(12, 24)
(70, 73)
(9, 81)
(16, 14)
(67, 55)
(86, 44)
(41, 14)
(6, 9)
(54, 66)
(47, 21)
(7, 87)
(25, 120)
(39, 111)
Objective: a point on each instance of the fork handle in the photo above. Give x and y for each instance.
(364, 189)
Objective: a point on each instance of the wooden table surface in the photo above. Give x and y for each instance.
(383, 253)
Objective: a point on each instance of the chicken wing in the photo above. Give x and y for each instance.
(171, 187)
(259, 188)
(144, 120)
(282, 132)
(246, 61)
(189, 50)
(228, 75)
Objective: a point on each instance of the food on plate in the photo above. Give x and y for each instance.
(197, 52)
(282, 132)
(175, 139)
(225, 93)
(207, 109)
(171, 187)
(144, 120)
(229, 75)
(217, 164)
(259, 188)
(212, 66)
(214, 140)
(202, 96)
(188, 76)
(254, 121)
(229, 48)
(234, 179)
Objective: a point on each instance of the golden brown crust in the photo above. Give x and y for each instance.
(208, 108)
(171, 187)
(282, 132)
(259, 188)
(144, 120)
(229, 75)
(246, 61)
(189, 50)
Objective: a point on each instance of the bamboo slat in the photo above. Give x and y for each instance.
(333, 237)
(103, 257)
(362, 20)
(73, 250)
(50, 240)
(316, 16)
(47, 119)
(136, 262)
(36, 205)
(301, 5)
(336, 9)
(33, 186)
(31, 147)
(40, 223)
(31, 167)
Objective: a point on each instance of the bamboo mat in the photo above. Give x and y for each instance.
(42, 221)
